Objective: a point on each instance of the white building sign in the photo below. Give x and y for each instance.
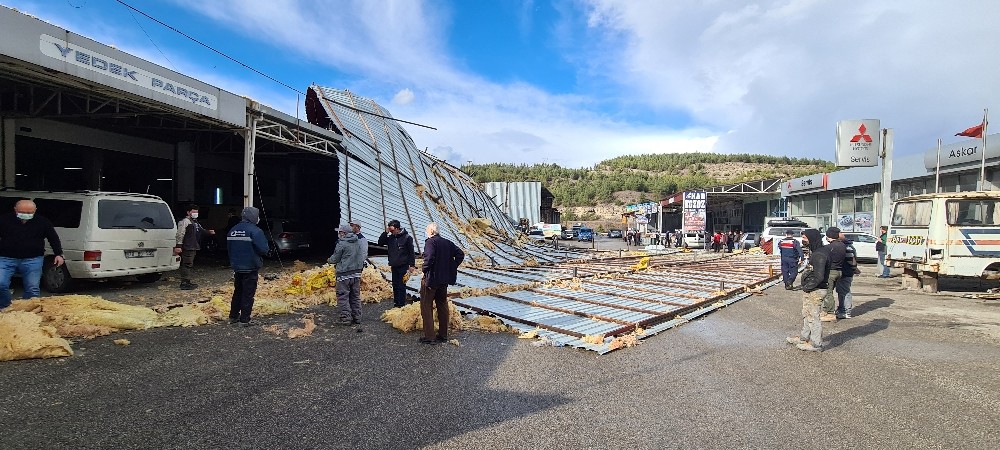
(858, 143)
(89, 59)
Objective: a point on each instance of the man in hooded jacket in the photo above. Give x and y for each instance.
(814, 278)
(399, 246)
(246, 244)
(349, 262)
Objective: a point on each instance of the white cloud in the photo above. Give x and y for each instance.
(403, 97)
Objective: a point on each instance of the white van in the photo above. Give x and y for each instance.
(693, 239)
(103, 235)
(948, 234)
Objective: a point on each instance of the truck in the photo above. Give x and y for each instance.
(955, 234)
(550, 230)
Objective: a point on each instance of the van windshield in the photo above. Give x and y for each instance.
(133, 214)
(973, 212)
(912, 214)
(779, 231)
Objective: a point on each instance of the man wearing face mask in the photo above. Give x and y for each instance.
(189, 233)
(22, 249)
(246, 244)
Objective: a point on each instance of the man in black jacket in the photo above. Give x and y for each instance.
(838, 257)
(814, 278)
(22, 249)
(441, 261)
(400, 249)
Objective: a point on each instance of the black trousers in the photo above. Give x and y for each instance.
(245, 284)
(398, 287)
(431, 298)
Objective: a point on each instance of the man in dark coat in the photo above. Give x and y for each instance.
(22, 249)
(245, 243)
(814, 278)
(399, 246)
(441, 261)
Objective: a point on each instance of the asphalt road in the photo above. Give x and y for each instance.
(909, 371)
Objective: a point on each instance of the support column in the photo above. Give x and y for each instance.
(184, 173)
(8, 177)
(93, 170)
(884, 216)
(249, 151)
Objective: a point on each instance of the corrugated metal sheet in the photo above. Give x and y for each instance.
(519, 200)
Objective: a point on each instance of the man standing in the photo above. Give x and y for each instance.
(22, 249)
(883, 269)
(838, 255)
(815, 277)
(347, 258)
(362, 240)
(441, 261)
(845, 301)
(399, 245)
(791, 256)
(246, 244)
(188, 243)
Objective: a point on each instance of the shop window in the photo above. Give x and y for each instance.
(864, 203)
(825, 203)
(968, 182)
(845, 202)
(809, 205)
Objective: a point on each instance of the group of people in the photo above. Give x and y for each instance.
(726, 241)
(826, 281)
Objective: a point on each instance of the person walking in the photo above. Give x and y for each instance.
(880, 248)
(246, 244)
(814, 278)
(441, 260)
(845, 301)
(399, 246)
(838, 254)
(189, 234)
(791, 257)
(349, 263)
(22, 249)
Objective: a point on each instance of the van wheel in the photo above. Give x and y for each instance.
(148, 277)
(56, 279)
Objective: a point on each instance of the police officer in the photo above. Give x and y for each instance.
(791, 256)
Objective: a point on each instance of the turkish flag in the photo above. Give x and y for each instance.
(973, 132)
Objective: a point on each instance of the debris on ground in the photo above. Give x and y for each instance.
(122, 342)
(60, 311)
(487, 324)
(308, 325)
(528, 334)
(274, 329)
(408, 318)
(22, 336)
(596, 339)
(625, 341)
(455, 342)
(643, 264)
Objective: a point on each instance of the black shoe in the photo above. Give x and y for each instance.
(441, 339)
(234, 320)
(788, 286)
(428, 341)
(187, 285)
(344, 322)
(356, 322)
(248, 324)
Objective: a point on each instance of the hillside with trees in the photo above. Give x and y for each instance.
(626, 179)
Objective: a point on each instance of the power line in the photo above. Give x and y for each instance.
(153, 42)
(193, 39)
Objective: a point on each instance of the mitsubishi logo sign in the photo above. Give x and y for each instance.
(858, 143)
(861, 135)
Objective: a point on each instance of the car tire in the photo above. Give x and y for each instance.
(149, 277)
(56, 280)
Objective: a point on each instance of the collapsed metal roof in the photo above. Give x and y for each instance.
(569, 297)
(384, 176)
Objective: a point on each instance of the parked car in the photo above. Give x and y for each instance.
(536, 235)
(749, 241)
(104, 235)
(585, 234)
(693, 239)
(567, 234)
(864, 245)
(617, 234)
(285, 236)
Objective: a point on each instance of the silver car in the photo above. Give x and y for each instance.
(286, 236)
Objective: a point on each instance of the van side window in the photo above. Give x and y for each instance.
(914, 214)
(133, 214)
(62, 213)
(973, 212)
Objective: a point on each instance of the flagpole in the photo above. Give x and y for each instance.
(937, 170)
(982, 163)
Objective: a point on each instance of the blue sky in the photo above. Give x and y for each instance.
(574, 82)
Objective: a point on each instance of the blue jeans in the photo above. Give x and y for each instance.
(31, 275)
(883, 269)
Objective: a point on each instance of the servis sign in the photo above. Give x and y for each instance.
(858, 143)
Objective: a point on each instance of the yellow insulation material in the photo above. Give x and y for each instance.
(122, 342)
(643, 264)
(487, 324)
(374, 287)
(88, 310)
(308, 325)
(408, 318)
(22, 336)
